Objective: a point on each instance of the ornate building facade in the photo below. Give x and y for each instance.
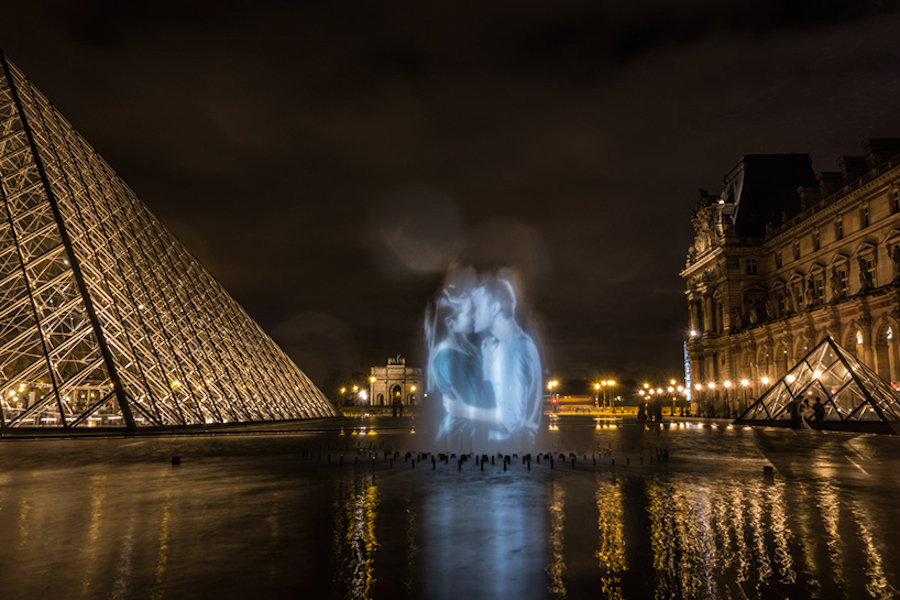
(394, 382)
(784, 257)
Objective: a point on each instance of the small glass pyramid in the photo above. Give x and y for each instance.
(855, 397)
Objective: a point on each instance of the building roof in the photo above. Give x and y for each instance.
(764, 189)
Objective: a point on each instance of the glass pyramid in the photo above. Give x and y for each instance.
(855, 398)
(106, 320)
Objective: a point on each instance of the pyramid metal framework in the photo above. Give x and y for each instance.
(855, 397)
(106, 320)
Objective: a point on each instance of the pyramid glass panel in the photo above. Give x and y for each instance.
(831, 413)
(799, 377)
(757, 412)
(779, 401)
(813, 391)
(106, 320)
(823, 357)
(865, 412)
(848, 399)
(835, 377)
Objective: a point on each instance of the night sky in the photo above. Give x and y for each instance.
(327, 161)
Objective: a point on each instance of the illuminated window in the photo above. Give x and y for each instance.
(890, 333)
(859, 339)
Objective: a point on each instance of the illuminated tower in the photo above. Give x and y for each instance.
(106, 320)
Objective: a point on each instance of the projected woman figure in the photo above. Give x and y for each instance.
(455, 368)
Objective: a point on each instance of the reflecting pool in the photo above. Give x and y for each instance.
(310, 514)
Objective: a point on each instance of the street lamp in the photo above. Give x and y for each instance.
(371, 394)
(744, 384)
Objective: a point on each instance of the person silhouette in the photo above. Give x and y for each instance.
(819, 413)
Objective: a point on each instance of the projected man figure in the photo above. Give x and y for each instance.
(512, 367)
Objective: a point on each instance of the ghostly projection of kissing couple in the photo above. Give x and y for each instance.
(490, 391)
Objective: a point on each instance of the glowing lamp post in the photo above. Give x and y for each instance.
(554, 396)
(744, 384)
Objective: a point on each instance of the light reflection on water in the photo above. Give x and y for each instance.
(556, 570)
(251, 518)
(355, 544)
(611, 556)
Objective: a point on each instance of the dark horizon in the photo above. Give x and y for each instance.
(326, 165)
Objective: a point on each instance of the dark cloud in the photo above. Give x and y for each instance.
(326, 160)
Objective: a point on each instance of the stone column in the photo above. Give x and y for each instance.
(708, 318)
(694, 310)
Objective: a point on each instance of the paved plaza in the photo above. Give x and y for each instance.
(308, 513)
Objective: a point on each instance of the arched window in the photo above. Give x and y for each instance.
(859, 338)
(890, 333)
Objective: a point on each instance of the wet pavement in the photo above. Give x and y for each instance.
(263, 516)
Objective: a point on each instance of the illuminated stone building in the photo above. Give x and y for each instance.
(106, 320)
(394, 381)
(782, 258)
